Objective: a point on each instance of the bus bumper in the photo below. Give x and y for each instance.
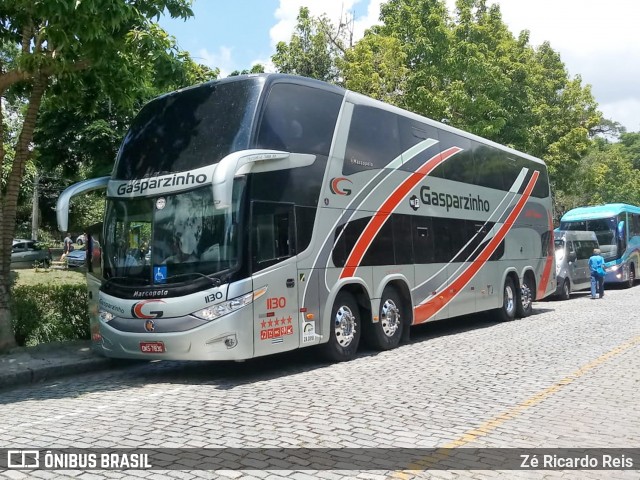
(217, 340)
(617, 274)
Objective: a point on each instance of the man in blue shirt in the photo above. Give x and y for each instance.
(596, 265)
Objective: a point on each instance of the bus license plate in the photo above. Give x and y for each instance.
(152, 347)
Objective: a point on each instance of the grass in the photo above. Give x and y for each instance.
(50, 276)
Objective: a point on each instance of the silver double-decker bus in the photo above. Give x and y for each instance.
(264, 213)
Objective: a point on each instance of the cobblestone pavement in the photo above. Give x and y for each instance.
(568, 376)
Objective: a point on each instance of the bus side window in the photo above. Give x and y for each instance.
(423, 247)
(635, 225)
(299, 119)
(373, 142)
(272, 232)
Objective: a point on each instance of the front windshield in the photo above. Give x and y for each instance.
(189, 129)
(170, 238)
(605, 230)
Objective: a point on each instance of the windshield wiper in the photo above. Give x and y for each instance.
(215, 281)
(125, 280)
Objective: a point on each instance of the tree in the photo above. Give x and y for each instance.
(608, 129)
(423, 29)
(375, 66)
(604, 175)
(257, 68)
(60, 46)
(630, 142)
(310, 52)
(471, 71)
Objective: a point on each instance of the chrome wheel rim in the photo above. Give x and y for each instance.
(345, 326)
(509, 303)
(526, 297)
(389, 318)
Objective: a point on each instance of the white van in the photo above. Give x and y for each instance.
(573, 249)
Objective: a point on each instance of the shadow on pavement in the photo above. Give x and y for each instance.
(127, 374)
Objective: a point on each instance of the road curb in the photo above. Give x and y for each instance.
(25, 366)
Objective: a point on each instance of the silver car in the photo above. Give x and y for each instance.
(29, 254)
(573, 249)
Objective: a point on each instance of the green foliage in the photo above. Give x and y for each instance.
(48, 313)
(631, 143)
(257, 68)
(80, 56)
(310, 52)
(86, 210)
(375, 66)
(606, 174)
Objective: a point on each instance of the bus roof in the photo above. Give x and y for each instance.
(361, 99)
(598, 211)
(365, 100)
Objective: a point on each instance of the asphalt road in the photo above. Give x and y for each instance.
(566, 377)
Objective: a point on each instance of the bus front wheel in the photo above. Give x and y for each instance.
(386, 333)
(345, 329)
(632, 276)
(565, 294)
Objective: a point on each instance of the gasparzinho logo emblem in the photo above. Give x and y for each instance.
(137, 310)
(335, 187)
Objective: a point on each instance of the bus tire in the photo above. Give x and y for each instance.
(507, 312)
(344, 330)
(632, 276)
(385, 334)
(565, 293)
(524, 305)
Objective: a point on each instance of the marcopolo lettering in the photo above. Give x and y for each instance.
(448, 200)
(176, 180)
(150, 293)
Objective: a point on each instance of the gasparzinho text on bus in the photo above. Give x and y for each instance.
(264, 213)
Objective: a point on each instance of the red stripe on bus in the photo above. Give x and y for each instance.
(424, 312)
(546, 272)
(381, 216)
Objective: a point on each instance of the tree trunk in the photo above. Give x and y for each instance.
(8, 208)
(35, 207)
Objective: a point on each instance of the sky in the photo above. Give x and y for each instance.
(600, 41)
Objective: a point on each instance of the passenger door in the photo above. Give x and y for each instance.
(581, 269)
(273, 250)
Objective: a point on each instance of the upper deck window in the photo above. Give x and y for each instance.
(189, 129)
(374, 140)
(299, 119)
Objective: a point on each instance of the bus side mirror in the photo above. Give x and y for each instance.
(241, 163)
(62, 206)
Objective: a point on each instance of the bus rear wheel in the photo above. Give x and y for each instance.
(345, 329)
(525, 299)
(386, 333)
(507, 312)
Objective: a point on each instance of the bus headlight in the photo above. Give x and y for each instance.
(615, 268)
(225, 308)
(105, 316)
